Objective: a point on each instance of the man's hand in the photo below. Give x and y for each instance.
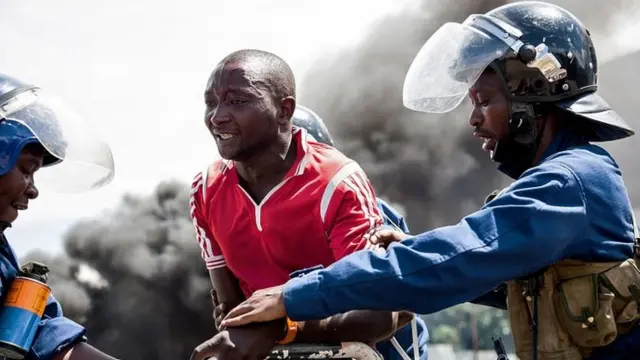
(384, 237)
(264, 305)
(219, 309)
(245, 343)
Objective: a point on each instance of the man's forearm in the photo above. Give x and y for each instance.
(227, 287)
(360, 325)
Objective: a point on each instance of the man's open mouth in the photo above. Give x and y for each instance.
(20, 206)
(224, 135)
(488, 144)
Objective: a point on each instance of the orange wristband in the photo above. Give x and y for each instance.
(292, 331)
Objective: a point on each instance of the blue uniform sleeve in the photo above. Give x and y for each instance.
(391, 216)
(55, 333)
(522, 231)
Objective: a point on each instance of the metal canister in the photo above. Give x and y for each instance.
(22, 310)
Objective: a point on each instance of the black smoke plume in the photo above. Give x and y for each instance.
(152, 299)
(430, 165)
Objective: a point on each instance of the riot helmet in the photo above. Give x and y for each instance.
(305, 118)
(544, 57)
(30, 115)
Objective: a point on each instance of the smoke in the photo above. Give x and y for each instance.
(429, 164)
(614, 26)
(154, 302)
(151, 300)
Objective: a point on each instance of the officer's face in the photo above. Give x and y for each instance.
(240, 111)
(490, 115)
(17, 186)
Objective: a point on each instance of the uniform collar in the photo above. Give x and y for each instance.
(562, 140)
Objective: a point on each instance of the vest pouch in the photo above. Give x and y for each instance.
(554, 343)
(584, 309)
(622, 281)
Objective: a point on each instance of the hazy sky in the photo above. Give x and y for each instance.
(137, 69)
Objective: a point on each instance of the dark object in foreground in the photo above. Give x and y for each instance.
(348, 350)
(498, 345)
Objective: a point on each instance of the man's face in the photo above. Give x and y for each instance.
(240, 112)
(17, 187)
(490, 115)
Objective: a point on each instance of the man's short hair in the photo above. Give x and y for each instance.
(277, 74)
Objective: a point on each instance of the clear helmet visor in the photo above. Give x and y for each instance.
(449, 63)
(86, 161)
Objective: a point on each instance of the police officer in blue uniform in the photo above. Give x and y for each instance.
(317, 131)
(559, 241)
(37, 131)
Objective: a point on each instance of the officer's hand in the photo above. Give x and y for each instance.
(263, 306)
(219, 309)
(385, 236)
(240, 343)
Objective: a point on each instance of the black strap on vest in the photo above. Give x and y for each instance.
(636, 235)
(498, 346)
(531, 286)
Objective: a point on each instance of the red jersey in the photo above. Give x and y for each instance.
(323, 210)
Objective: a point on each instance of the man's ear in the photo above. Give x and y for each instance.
(287, 107)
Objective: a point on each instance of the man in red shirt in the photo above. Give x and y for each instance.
(276, 204)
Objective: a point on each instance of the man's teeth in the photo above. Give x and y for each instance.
(226, 136)
(488, 144)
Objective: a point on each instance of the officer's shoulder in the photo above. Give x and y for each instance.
(384, 206)
(589, 163)
(387, 208)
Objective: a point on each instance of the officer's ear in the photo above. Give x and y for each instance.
(287, 107)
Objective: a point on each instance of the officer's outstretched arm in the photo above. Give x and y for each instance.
(527, 228)
(496, 298)
(351, 215)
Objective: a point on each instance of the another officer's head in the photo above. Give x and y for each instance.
(529, 68)
(250, 98)
(307, 119)
(37, 130)
(17, 186)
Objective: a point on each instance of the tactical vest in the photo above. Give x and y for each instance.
(573, 306)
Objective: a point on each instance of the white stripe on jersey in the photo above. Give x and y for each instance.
(212, 261)
(353, 176)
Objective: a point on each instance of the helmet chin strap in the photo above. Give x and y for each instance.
(517, 151)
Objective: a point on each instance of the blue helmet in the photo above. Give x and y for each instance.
(14, 134)
(28, 115)
(305, 118)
